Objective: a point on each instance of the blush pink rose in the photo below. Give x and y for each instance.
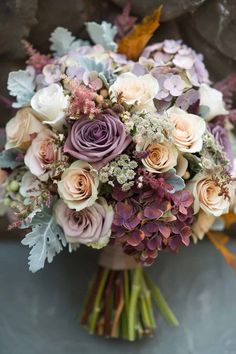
(90, 226)
(41, 154)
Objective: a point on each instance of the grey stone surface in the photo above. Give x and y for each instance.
(171, 8)
(207, 25)
(38, 312)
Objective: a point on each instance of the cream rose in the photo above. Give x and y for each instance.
(139, 90)
(161, 156)
(207, 196)
(49, 103)
(21, 128)
(188, 130)
(78, 185)
(202, 225)
(213, 99)
(41, 154)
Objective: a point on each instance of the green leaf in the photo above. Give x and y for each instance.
(92, 64)
(175, 181)
(194, 163)
(8, 158)
(21, 85)
(103, 34)
(63, 41)
(45, 240)
(203, 111)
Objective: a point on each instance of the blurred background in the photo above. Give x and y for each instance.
(39, 313)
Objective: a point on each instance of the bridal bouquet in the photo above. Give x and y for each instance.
(121, 147)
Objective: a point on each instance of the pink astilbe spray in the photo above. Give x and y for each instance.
(228, 89)
(125, 22)
(37, 60)
(82, 100)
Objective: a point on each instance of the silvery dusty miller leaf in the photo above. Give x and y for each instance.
(21, 85)
(63, 41)
(46, 240)
(103, 34)
(175, 181)
(92, 64)
(9, 158)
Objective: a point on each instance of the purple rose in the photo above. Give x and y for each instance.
(221, 135)
(97, 141)
(90, 226)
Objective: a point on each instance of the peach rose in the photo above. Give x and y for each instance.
(19, 129)
(202, 225)
(207, 196)
(41, 154)
(78, 185)
(188, 130)
(161, 157)
(3, 176)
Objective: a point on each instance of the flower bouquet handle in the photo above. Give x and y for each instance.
(120, 299)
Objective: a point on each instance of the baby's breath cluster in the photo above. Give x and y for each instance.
(147, 125)
(213, 158)
(121, 170)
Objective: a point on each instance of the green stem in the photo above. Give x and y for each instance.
(124, 325)
(126, 288)
(144, 312)
(97, 308)
(148, 301)
(161, 303)
(135, 290)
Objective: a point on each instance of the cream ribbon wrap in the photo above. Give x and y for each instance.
(113, 257)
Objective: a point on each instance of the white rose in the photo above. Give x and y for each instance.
(188, 130)
(213, 99)
(138, 90)
(161, 156)
(207, 196)
(49, 103)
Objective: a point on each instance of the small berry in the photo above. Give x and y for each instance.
(7, 201)
(14, 186)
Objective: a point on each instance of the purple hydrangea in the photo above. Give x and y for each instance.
(152, 219)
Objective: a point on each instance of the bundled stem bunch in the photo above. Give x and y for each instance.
(120, 304)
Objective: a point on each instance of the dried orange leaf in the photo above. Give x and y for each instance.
(219, 240)
(133, 43)
(228, 219)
